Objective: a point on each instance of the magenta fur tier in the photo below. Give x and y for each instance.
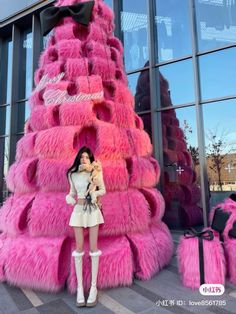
(49, 215)
(75, 68)
(230, 256)
(25, 146)
(188, 260)
(14, 213)
(143, 172)
(21, 177)
(153, 250)
(47, 270)
(79, 113)
(115, 265)
(116, 113)
(156, 203)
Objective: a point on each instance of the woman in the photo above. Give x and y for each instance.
(86, 184)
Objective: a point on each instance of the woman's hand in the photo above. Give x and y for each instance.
(70, 200)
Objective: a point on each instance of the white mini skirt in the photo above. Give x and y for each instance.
(81, 218)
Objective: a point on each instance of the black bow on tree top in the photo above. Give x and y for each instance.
(80, 12)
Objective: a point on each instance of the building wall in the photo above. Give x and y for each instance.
(179, 57)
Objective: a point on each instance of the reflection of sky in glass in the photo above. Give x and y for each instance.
(7, 120)
(9, 72)
(27, 110)
(28, 72)
(6, 156)
(173, 29)
(181, 83)
(109, 2)
(218, 73)
(134, 26)
(216, 23)
(219, 120)
(132, 82)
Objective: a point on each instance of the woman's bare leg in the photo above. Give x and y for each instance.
(79, 238)
(93, 238)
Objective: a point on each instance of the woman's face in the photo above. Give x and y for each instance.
(85, 159)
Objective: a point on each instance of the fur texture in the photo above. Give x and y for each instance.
(47, 270)
(14, 213)
(152, 249)
(230, 255)
(188, 262)
(156, 203)
(75, 68)
(69, 49)
(115, 264)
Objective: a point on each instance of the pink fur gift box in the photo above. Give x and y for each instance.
(200, 259)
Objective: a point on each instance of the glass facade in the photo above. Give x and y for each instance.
(179, 59)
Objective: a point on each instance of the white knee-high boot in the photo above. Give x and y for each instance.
(80, 301)
(93, 293)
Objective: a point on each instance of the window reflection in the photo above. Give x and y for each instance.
(217, 74)
(181, 190)
(6, 72)
(109, 2)
(177, 83)
(4, 164)
(173, 29)
(220, 141)
(23, 115)
(140, 87)
(147, 123)
(4, 120)
(25, 86)
(216, 23)
(134, 27)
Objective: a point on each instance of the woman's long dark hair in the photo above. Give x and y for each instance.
(75, 166)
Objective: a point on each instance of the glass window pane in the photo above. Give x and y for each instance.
(217, 74)
(177, 83)
(4, 164)
(134, 26)
(23, 115)
(140, 88)
(4, 120)
(220, 141)
(25, 84)
(109, 2)
(173, 29)
(181, 190)
(6, 72)
(147, 123)
(216, 23)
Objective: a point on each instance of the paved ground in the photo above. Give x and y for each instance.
(164, 293)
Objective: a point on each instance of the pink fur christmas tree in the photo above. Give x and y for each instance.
(81, 98)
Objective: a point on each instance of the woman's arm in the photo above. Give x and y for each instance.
(70, 197)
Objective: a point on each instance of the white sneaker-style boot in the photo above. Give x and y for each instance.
(80, 301)
(93, 293)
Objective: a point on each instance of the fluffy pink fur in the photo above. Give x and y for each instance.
(79, 113)
(37, 118)
(138, 122)
(36, 99)
(21, 177)
(75, 68)
(69, 49)
(53, 69)
(156, 203)
(50, 55)
(56, 142)
(230, 256)
(66, 31)
(95, 49)
(49, 215)
(5, 243)
(47, 270)
(152, 250)
(131, 212)
(142, 172)
(115, 175)
(115, 264)
(188, 262)
(118, 92)
(25, 146)
(140, 143)
(13, 214)
(105, 68)
(89, 84)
